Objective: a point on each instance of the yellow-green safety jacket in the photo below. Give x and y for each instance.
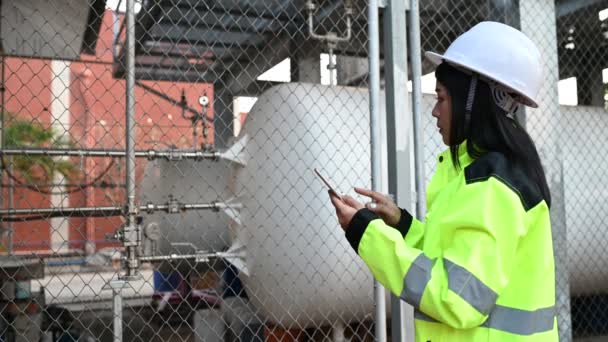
(480, 267)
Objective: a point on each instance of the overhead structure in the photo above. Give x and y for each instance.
(50, 29)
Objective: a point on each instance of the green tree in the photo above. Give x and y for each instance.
(21, 133)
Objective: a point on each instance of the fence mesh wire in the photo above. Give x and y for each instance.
(235, 102)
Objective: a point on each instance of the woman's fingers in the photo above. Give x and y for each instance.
(335, 200)
(352, 202)
(376, 196)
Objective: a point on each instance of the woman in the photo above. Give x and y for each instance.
(480, 267)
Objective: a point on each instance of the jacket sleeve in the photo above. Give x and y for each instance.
(459, 282)
(411, 229)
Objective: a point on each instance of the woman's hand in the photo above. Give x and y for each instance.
(346, 208)
(383, 206)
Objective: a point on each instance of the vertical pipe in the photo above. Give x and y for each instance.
(399, 140)
(337, 332)
(130, 123)
(332, 68)
(415, 58)
(2, 127)
(117, 313)
(11, 204)
(130, 130)
(61, 121)
(10, 161)
(374, 101)
(89, 140)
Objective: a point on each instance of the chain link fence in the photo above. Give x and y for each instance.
(568, 131)
(215, 227)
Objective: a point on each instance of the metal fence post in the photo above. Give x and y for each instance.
(399, 140)
(374, 99)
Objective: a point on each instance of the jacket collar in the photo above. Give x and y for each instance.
(445, 158)
(446, 172)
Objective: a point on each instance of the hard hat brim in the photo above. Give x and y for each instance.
(437, 59)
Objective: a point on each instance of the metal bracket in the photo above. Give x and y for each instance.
(115, 285)
(174, 155)
(173, 206)
(131, 235)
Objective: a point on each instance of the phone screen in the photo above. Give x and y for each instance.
(331, 188)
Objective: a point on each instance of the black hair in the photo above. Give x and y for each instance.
(490, 129)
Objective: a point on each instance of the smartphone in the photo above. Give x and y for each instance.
(331, 188)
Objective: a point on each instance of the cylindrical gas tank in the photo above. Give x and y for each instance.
(585, 186)
(187, 181)
(301, 269)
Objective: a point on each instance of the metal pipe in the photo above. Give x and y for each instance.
(67, 185)
(415, 58)
(167, 207)
(115, 30)
(331, 38)
(149, 154)
(337, 332)
(374, 108)
(11, 182)
(200, 257)
(60, 210)
(331, 67)
(117, 306)
(310, 6)
(10, 227)
(131, 240)
(117, 285)
(116, 210)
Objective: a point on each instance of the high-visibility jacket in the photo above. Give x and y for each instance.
(480, 267)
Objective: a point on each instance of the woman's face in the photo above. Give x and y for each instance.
(443, 112)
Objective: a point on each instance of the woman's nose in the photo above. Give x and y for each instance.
(435, 112)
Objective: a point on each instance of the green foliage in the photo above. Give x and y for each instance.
(20, 133)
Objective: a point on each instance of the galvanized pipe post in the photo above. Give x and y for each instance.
(11, 182)
(116, 286)
(132, 263)
(399, 140)
(374, 108)
(416, 61)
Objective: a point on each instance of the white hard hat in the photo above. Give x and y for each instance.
(500, 53)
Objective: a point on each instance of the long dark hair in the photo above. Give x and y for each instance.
(490, 129)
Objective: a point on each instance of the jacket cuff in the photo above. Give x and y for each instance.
(405, 222)
(357, 226)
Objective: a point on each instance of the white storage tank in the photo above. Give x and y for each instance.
(187, 181)
(301, 269)
(586, 197)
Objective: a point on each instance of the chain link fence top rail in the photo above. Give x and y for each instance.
(235, 103)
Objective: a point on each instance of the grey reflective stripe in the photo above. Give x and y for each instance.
(416, 279)
(419, 315)
(521, 322)
(514, 321)
(470, 288)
